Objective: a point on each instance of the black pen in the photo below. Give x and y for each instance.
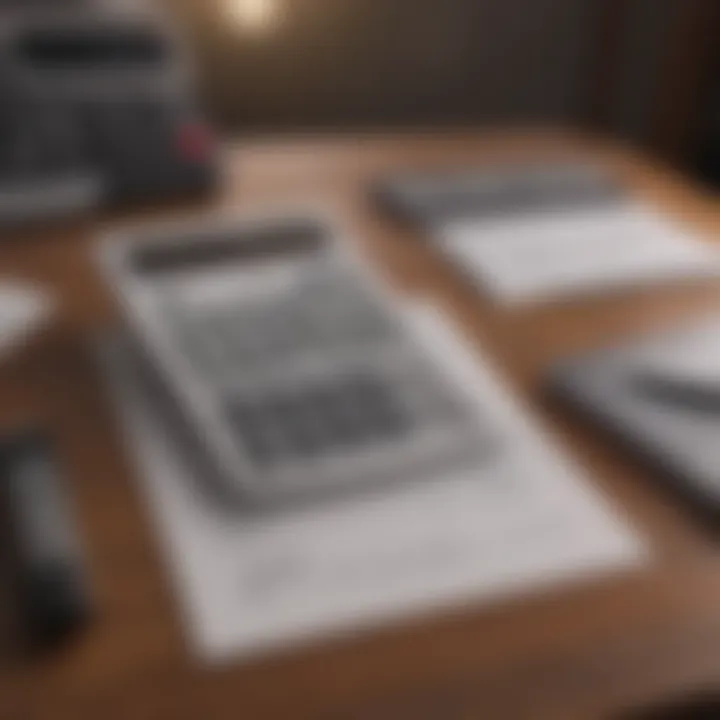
(691, 394)
(51, 580)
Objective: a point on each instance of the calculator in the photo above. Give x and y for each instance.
(286, 360)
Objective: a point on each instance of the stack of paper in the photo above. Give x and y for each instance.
(537, 256)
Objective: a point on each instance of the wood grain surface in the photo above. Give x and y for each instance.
(586, 652)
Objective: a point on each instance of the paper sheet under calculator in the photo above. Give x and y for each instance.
(541, 256)
(521, 520)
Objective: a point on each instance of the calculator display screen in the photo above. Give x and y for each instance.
(202, 253)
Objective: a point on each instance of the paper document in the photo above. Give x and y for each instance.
(522, 519)
(539, 256)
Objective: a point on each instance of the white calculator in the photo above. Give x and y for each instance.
(287, 363)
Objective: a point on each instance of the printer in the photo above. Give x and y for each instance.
(96, 107)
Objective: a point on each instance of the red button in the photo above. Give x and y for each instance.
(195, 142)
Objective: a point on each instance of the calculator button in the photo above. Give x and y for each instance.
(379, 407)
(257, 432)
(303, 435)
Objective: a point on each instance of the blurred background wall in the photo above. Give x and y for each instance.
(642, 70)
(355, 63)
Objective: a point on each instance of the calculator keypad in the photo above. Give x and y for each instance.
(339, 416)
(319, 388)
(320, 319)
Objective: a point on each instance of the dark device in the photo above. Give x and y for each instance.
(95, 107)
(53, 594)
(659, 396)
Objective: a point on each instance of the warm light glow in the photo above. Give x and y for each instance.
(255, 15)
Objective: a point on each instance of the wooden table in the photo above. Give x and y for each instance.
(583, 652)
